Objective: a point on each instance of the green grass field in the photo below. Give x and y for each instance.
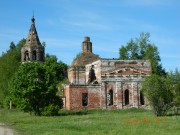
(93, 122)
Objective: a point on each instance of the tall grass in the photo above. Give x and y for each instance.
(92, 122)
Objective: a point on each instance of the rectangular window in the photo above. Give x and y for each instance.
(84, 99)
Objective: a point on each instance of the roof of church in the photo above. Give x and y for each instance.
(32, 39)
(87, 56)
(84, 58)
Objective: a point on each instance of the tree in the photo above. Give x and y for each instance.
(157, 89)
(34, 86)
(9, 63)
(61, 71)
(141, 48)
(175, 77)
(60, 68)
(12, 46)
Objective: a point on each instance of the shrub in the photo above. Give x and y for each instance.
(51, 110)
(158, 91)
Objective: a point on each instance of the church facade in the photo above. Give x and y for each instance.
(99, 83)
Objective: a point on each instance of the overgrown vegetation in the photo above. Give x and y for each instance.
(30, 86)
(157, 89)
(9, 64)
(163, 92)
(34, 86)
(174, 76)
(142, 49)
(94, 122)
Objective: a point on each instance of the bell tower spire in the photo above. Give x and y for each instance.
(33, 49)
(33, 20)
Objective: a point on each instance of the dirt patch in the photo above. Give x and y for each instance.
(4, 130)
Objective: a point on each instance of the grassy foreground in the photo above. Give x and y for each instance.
(93, 122)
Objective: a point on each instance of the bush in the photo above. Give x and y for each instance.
(51, 110)
(6, 103)
(158, 91)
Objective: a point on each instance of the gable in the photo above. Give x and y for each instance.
(127, 71)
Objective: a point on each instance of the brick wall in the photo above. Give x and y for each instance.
(73, 94)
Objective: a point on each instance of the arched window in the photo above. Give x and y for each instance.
(141, 98)
(26, 56)
(41, 56)
(110, 97)
(34, 55)
(126, 97)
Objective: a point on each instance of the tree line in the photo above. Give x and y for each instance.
(9, 64)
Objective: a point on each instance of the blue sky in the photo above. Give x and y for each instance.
(63, 24)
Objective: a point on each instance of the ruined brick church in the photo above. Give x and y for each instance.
(102, 83)
(94, 82)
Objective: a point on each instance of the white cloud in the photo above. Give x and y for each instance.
(8, 35)
(105, 49)
(86, 15)
(86, 20)
(147, 2)
(140, 24)
(57, 42)
(166, 41)
(51, 22)
(10, 32)
(87, 24)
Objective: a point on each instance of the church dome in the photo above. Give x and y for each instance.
(87, 56)
(84, 58)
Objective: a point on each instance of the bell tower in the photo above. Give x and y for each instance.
(33, 49)
(86, 45)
